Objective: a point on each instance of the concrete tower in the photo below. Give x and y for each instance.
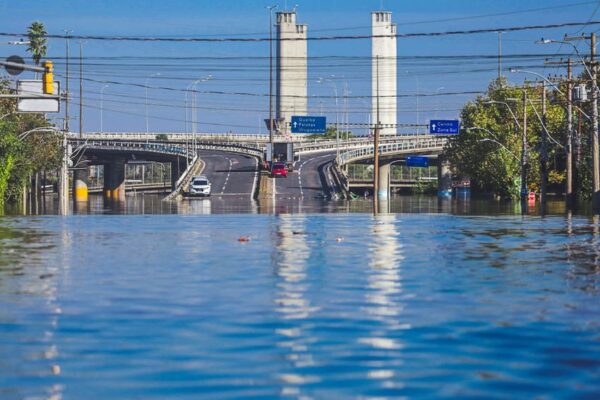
(384, 47)
(291, 69)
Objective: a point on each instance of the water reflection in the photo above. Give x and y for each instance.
(383, 298)
(291, 302)
(26, 273)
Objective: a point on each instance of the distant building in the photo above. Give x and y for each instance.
(384, 67)
(291, 70)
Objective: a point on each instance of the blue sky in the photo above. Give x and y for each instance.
(243, 67)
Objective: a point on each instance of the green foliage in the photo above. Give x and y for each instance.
(162, 136)
(37, 41)
(331, 134)
(496, 168)
(20, 158)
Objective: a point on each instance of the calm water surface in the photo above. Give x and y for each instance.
(313, 306)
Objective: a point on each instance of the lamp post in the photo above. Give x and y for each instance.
(102, 107)
(271, 8)
(524, 190)
(437, 100)
(195, 109)
(501, 145)
(146, 103)
(522, 160)
(337, 121)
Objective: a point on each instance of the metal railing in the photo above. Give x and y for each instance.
(422, 144)
(352, 150)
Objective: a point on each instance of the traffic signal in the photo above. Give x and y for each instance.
(48, 77)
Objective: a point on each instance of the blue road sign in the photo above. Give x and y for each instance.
(444, 127)
(415, 161)
(309, 124)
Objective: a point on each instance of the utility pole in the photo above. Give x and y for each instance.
(80, 89)
(63, 190)
(270, 8)
(595, 149)
(499, 55)
(376, 149)
(570, 193)
(544, 152)
(524, 189)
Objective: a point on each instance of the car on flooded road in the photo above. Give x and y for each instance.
(200, 186)
(279, 169)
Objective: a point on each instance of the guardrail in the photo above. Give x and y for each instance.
(177, 149)
(430, 143)
(121, 145)
(356, 143)
(355, 147)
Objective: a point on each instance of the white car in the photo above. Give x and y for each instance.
(200, 186)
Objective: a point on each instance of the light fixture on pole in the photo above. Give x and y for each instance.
(337, 122)
(102, 107)
(146, 103)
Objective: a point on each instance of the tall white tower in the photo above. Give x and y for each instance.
(384, 66)
(291, 69)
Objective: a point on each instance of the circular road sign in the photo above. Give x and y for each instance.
(13, 70)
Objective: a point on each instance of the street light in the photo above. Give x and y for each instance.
(507, 106)
(102, 107)
(23, 135)
(523, 146)
(501, 145)
(437, 105)
(522, 160)
(146, 85)
(337, 127)
(549, 41)
(522, 71)
(195, 107)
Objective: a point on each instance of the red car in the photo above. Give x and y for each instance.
(278, 169)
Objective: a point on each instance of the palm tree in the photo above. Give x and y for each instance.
(37, 41)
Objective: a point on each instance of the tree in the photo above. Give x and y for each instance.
(331, 134)
(37, 41)
(20, 158)
(495, 168)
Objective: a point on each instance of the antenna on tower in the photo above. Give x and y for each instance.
(381, 5)
(295, 8)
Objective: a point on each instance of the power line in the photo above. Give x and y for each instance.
(314, 38)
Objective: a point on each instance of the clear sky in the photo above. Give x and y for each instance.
(423, 66)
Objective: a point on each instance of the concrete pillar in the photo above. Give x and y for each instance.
(383, 71)
(292, 69)
(444, 178)
(80, 185)
(175, 173)
(384, 181)
(114, 180)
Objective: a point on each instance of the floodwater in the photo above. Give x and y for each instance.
(213, 301)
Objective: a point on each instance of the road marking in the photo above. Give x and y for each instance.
(255, 179)
(300, 171)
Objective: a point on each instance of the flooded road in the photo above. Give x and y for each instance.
(320, 301)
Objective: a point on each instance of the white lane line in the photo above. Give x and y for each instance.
(255, 179)
(228, 173)
(300, 171)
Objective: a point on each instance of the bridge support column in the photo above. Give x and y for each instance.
(444, 178)
(384, 181)
(80, 185)
(175, 174)
(114, 180)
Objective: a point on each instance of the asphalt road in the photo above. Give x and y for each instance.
(310, 179)
(230, 174)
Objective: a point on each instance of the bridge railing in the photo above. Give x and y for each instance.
(121, 145)
(356, 143)
(429, 143)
